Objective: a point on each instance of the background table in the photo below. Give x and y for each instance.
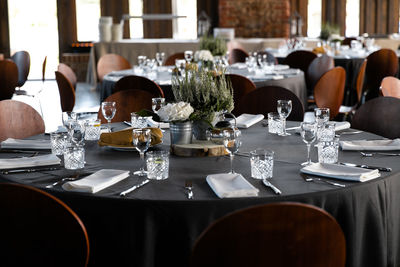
(157, 225)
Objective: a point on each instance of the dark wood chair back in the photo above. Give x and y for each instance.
(270, 57)
(38, 229)
(19, 120)
(138, 83)
(241, 86)
(109, 63)
(68, 73)
(390, 86)
(300, 59)
(279, 234)
(67, 92)
(347, 40)
(264, 100)
(23, 61)
(380, 64)
(329, 90)
(318, 67)
(360, 80)
(379, 116)
(237, 55)
(8, 78)
(127, 101)
(44, 69)
(171, 59)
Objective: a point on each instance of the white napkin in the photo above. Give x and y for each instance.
(227, 185)
(12, 143)
(372, 145)
(153, 123)
(24, 162)
(247, 120)
(341, 125)
(341, 172)
(97, 181)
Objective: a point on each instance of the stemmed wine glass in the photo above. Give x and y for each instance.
(284, 108)
(188, 56)
(157, 103)
(160, 56)
(108, 110)
(232, 142)
(309, 135)
(69, 120)
(141, 139)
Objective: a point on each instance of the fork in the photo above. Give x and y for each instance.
(189, 188)
(313, 179)
(63, 180)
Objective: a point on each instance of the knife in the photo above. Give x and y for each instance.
(124, 193)
(383, 169)
(29, 170)
(268, 184)
(128, 123)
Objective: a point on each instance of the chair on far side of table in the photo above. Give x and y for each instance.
(264, 100)
(237, 55)
(279, 234)
(390, 86)
(241, 86)
(8, 78)
(270, 57)
(68, 73)
(19, 120)
(127, 101)
(318, 67)
(300, 59)
(38, 229)
(23, 61)
(109, 63)
(138, 83)
(171, 59)
(67, 92)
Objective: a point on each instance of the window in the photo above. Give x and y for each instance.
(87, 19)
(136, 25)
(185, 28)
(352, 17)
(314, 18)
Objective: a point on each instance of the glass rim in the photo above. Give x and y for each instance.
(262, 151)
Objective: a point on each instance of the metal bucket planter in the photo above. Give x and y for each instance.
(181, 132)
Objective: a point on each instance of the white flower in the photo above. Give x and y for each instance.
(175, 112)
(203, 55)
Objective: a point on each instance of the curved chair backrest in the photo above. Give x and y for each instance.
(380, 64)
(109, 63)
(279, 234)
(171, 59)
(19, 120)
(329, 90)
(23, 61)
(241, 86)
(67, 92)
(264, 100)
(8, 78)
(127, 101)
(270, 57)
(68, 73)
(38, 229)
(318, 67)
(300, 59)
(44, 69)
(379, 116)
(237, 55)
(347, 40)
(138, 83)
(390, 86)
(360, 80)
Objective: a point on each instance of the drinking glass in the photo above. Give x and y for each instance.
(328, 151)
(261, 163)
(321, 117)
(108, 110)
(308, 134)
(74, 157)
(141, 139)
(284, 108)
(232, 142)
(59, 141)
(188, 56)
(138, 121)
(78, 132)
(141, 61)
(157, 163)
(92, 130)
(69, 120)
(274, 123)
(160, 56)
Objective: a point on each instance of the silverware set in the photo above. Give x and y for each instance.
(124, 193)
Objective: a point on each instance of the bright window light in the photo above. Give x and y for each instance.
(185, 28)
(352, 17)
(314, 18)
(136, 25)
(87, 19)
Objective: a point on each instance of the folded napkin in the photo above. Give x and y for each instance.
(341, 172)
(227, 185)
(11, 143)
(247, 120)
(372, 145)
(24, 162)
(123, 138)
(341, 125)
(96, 181)
(153, 123)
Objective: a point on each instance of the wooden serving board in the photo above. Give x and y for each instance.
(199, 148)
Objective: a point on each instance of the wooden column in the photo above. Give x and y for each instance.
(334, 13)
(115, 9)
(67, 31)
(157, 28)
(379, 16)
(211, 9)
(301, 7)
(4, 29)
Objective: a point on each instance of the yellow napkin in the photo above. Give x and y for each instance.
(123, 138)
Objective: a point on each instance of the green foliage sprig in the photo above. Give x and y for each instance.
(215, 45)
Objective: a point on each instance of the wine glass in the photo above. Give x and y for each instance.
(69, 119)
(157, 103)
(188, 56)
(284, 108)
(160, 56)
(321, 117)
(141, 139)
(309, 135)
(232, 142)
(108, 110)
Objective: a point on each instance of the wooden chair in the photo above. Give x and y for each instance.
(109, 63)
(23, 61)
(67, 92)
(318, 67)
(390, 86)
(300, 59)
(347, 40)
(379, 116)
(68, 73)
(44, 69)
(171, 59)
(38, 229)
(19, 120)
(8, 78)
(138, 83)
(237, 55)
(279, 234)
(127, 101)
(264, 100)
(241, 86)
(380, 64)
(329, 90)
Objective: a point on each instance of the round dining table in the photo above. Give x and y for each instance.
(157, 225)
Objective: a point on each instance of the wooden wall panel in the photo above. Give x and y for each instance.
(4, 29)
(67, 30)
(211, 9)
(115, 9)
(157, 28)
(379, 17)
(301, 7)
(334, 13)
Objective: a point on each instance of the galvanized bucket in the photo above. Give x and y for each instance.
(181, 132)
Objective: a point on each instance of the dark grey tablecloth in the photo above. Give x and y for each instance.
(156, 225)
